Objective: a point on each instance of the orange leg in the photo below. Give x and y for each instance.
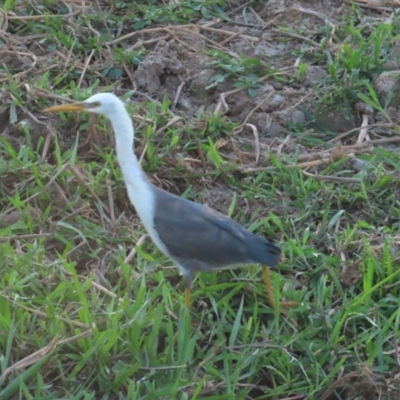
(270, 291)
(187, 280)
(187, 298)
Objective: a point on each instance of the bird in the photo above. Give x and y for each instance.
(195, 237)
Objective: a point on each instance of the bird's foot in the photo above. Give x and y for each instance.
(270, 294)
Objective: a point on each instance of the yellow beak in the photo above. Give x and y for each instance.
(67, 107)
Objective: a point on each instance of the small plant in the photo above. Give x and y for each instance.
(212, 153)
(357, 61)
(235, 67)
(217, 125)
(250, 82)
(128, 56)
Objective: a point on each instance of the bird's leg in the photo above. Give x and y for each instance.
(187, 279)
(270, 290)
(268, 286)
(187, 298)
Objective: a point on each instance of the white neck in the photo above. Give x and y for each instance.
(140, 190)
(124, 138)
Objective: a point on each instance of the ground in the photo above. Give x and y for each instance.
(280, 114)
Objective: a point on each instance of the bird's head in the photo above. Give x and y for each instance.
(106, 104)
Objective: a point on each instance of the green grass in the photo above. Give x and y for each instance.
(79, 319)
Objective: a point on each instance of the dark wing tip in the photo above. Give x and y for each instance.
(264, 252)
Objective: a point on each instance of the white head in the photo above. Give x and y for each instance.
(103, 103)
(106, 104)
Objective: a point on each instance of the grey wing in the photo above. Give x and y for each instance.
(199, 236)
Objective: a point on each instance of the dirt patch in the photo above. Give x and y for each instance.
(193, 73)
(13, 217)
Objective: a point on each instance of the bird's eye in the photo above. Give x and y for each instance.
(96, 104)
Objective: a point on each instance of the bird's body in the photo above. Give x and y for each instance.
(209, 240)
(197, 238)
